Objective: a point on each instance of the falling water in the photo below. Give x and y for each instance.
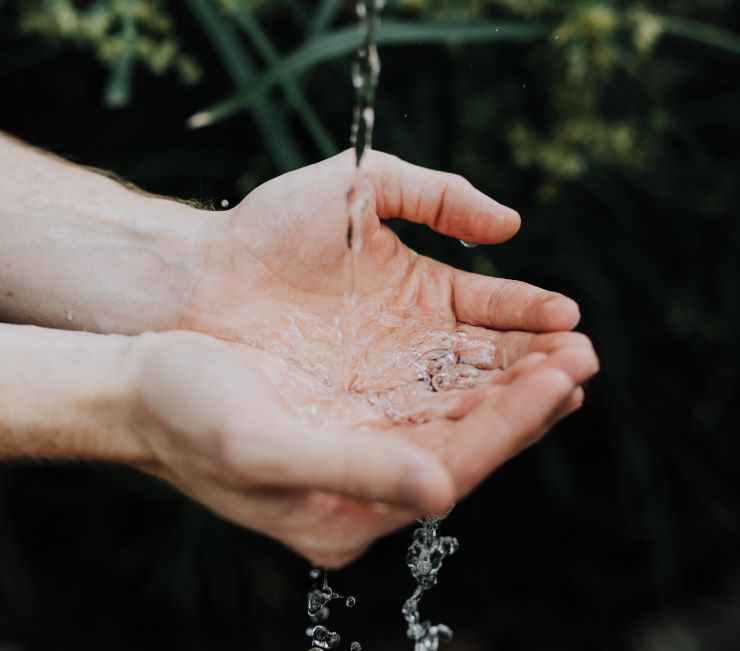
(319, 598)
(365, 76)
(424, 558)
(455, 362)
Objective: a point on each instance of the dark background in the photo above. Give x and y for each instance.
(622, 529)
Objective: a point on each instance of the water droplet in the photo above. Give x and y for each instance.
(315, 573)
(358, 81)
(524, 85)
(439, 360)
(317, 599)
(350, 602)
(225, 203)
(444, 632)
(368, 115)
(324, 638)
(355, 646)
(468, 245)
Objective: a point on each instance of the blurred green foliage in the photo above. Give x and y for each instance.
(612, 126)
(589, 48)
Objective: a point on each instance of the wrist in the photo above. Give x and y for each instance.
(174, 240)
(82, 251)
(68, 395)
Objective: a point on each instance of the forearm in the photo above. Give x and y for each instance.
(80, 251)
(67, 395)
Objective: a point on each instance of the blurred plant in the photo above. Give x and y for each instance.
(596, 49)
(590, 50)
(119, 32)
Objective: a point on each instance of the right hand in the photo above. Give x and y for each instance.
(216, 427)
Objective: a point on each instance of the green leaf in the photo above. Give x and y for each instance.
(702, 33)
(293, 93)
(118, 91)
(343, 41)
(323, 16)
(238, 62)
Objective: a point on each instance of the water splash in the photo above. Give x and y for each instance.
(441, 362)
(424, 558)
(319, 598)
(442, 368)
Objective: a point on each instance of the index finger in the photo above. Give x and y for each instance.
(447, 203)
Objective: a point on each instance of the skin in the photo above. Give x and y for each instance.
(221, 420)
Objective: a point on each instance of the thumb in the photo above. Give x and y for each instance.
(370, 467)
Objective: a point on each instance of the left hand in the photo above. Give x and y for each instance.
(274, 269)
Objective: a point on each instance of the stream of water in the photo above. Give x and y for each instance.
(437, 369)
(365, 76)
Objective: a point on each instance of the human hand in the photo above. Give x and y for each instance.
(233, 434)
(276, 259)
(216, 427)
(274, 271)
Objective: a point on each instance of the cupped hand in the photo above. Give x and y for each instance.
(221, 431)
(293, 454)
(275, 271)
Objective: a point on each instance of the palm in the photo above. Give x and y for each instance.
(479, 430)
(278, 280)
(474, 432)
(282, 281)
